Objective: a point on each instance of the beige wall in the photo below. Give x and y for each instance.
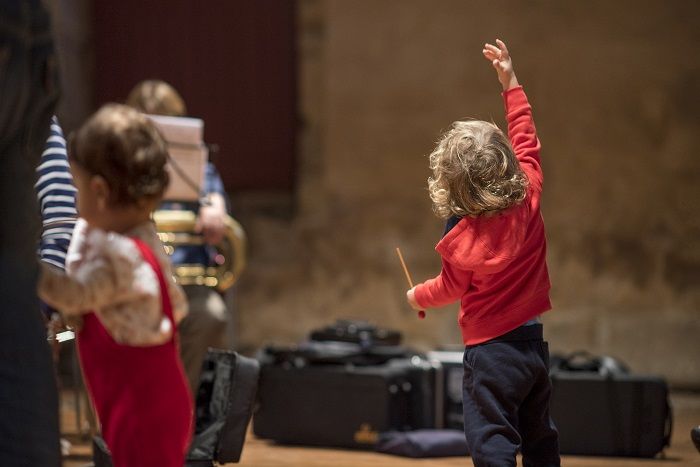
(612, 85)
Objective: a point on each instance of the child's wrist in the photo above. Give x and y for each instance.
(510, 83)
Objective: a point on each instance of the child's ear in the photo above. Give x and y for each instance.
(100, 189)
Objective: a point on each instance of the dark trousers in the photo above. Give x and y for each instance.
(204, 326)
(28, 92)
(506, 401)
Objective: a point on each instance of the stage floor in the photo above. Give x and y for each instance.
(261, 453)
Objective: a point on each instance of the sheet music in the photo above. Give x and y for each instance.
(187, 151)
(180, 130)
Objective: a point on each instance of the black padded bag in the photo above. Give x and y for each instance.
(346, 405)
(225, 400)
(357, 332)
(602, 409)
(224, 406)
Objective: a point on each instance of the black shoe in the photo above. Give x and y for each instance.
(695, 436)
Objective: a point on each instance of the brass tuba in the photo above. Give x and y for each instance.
(177, 228)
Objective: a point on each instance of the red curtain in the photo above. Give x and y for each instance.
(234, 64)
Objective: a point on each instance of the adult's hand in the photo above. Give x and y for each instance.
(210, 221)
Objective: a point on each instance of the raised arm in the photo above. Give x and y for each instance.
(521, 126)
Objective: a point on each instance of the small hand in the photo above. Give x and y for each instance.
(411, 299)
(73, 322)
(501, 61)
(54, 325)
(61, 323)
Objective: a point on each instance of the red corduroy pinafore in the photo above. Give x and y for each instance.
(140, 393)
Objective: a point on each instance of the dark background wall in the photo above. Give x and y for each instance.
(613, 86)
(232, 61)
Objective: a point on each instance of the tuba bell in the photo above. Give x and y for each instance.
(187, 159)
(177, 228)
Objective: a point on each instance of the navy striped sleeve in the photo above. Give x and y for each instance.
(56, 194)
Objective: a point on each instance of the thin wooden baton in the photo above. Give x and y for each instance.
(421, 313)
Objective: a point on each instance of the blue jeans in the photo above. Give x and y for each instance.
(506, 401)
(29, 432)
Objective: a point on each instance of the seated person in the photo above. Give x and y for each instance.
(208, 319)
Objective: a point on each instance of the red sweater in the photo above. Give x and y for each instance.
(496, 265)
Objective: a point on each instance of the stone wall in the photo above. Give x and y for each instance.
(612, 86)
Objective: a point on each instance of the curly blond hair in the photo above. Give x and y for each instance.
(475, 171)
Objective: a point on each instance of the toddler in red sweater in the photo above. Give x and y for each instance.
(493, 261)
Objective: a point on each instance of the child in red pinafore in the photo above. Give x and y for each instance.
(493, 261)
(119, 291)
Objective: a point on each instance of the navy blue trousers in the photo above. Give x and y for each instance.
(506, 401)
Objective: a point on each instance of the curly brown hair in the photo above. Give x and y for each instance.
(124, 147)
(475, 171)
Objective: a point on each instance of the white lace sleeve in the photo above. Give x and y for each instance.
(110, 277)
(95, 278)
(138, 318)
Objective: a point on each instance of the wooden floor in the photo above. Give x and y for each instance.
(260, 453)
